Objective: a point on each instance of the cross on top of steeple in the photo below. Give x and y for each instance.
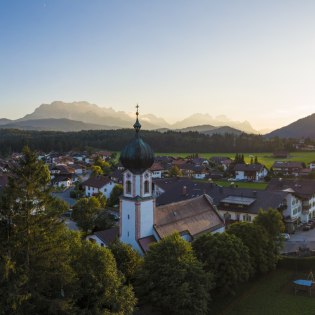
(137, 124)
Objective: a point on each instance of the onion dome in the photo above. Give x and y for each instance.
(137, 156)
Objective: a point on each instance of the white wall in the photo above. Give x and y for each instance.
(128, 224)
(146, 218)
(96, 239)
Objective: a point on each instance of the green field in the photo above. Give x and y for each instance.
(265, 158)
(251, 185)
(273, 294)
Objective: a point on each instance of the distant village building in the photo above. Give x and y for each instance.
(98, 184)
(254, 172)
(104, 238)
(222, 161)
(157, 170)
(287, 168)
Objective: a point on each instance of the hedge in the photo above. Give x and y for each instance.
(297, 263)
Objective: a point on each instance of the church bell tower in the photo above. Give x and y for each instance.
(137, 203)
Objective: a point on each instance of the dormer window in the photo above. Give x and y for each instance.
(128, 187)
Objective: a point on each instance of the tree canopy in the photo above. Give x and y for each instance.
(171, 141)
(261, 248)
(172, 279)
(85, 212)
(44, 267)
(226, 257)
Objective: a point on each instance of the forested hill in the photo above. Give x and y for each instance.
(12, 140)
(302, 128)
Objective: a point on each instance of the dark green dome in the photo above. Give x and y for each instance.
(137, 156)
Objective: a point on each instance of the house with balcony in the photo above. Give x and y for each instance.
(250, 172)
(303, 190)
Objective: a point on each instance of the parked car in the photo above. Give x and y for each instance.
(285, 236)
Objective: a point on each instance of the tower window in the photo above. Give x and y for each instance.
(128, 187)
(128, 216)
(146, 187)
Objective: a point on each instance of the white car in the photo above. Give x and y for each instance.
(285, 236)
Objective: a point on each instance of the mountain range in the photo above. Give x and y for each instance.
(86, 116)
(78, 116)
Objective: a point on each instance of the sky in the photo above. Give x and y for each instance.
(248, 60)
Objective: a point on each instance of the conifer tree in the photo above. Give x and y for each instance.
(34, 243)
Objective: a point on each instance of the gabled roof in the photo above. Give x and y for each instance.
(280, 164)
(220, 159)
(97, 181)
(304, 188)
(249, 167)
(184, 189)
(156, 166)
(108, 236)
(195, 216)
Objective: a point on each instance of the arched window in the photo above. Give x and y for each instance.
(146, 187)
(128, 187)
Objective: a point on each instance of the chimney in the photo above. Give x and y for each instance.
(184, 191)
(255, 193)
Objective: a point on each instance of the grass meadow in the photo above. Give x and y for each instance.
(272, 294)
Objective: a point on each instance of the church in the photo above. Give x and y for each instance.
(141, 221)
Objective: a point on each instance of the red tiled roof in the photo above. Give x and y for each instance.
(156, 167)
(195, 215)
(145, 242)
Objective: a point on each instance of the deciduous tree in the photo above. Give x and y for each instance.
(261, 249)
(100, 288)
(172, 279)
(128, 260)
(85, 211)
(226, 257)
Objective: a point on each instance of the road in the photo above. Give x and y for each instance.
(71, 225)
(65, 195)
(300, 239)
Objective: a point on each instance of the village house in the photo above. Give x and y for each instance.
(104, 238)
(287, 168)
(157, 170)
(116, 176)
(62, 181)
(104, 155)
(250, 172)
(221, 161)
(304, 190)
(98, 184)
